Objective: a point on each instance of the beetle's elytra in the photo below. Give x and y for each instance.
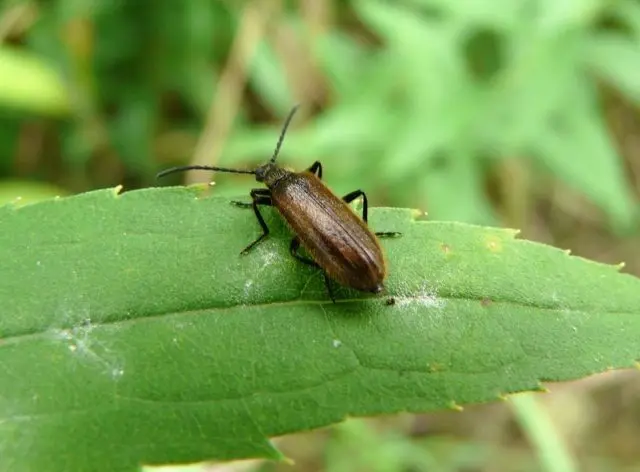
(338, 240)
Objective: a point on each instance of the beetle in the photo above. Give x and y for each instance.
(339, 241)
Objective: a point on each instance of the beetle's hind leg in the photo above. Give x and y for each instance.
(327, 283)
(259, 196)
(348, 198)
(293, 248)
(351, 196)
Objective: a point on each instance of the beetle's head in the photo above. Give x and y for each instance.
(262, 171)
(270, 173)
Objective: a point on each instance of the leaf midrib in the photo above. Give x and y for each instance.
(19, 337)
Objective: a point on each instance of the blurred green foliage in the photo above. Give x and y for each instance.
(419, 101)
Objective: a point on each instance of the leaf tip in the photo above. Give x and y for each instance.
(275, 454)
(514, 233)
(418, 214)
(201, 189)
(11, 205)
(117, 191)
(494, 245)
(454, 406)
(541, 389)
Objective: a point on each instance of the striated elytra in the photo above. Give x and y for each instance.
(339, 241)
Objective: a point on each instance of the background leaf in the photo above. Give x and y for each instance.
(30, 84)
(150, 340)
(609, 55)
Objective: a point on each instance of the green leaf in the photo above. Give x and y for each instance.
(627, 12)
(344, 62)
(268, 77)
(611, 56)
(133, 332)
(132, 131)
(579, 150)
(494, 14)
(29, 84)
(22, 192)
(539, 77)
(465, 201)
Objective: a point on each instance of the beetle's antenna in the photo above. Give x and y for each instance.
(235, 171)
(217, 169)
(283, 132)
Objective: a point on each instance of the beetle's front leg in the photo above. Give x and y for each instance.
(259, 196)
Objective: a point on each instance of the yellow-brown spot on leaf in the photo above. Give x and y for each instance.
(494, 245)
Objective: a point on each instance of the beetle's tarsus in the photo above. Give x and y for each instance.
(389, 234)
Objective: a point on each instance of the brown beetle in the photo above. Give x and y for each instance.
(339, 242)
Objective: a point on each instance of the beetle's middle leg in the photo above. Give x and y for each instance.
(293, 248)
(348, 198)
(259, 196)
